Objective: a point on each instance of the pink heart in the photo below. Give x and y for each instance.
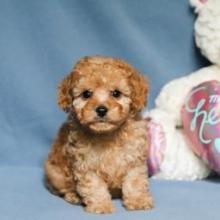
(157, 146)
(201, 121)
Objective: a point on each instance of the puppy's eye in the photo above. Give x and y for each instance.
(87, 94)
(116, 93)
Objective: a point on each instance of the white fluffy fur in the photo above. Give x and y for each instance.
(207, 30)
(180, 162)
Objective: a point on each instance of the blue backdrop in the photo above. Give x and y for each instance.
(39, 43)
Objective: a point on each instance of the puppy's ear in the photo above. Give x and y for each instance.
(140, 89)
(65, 96)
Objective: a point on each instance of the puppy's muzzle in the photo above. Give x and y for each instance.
(101, 111)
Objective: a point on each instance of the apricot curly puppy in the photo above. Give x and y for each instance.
(100, 151)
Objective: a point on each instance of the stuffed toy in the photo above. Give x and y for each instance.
(184, 127)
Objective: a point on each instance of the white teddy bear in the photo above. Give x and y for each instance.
(179, 162)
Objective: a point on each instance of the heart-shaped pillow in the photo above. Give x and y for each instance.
(201, 122)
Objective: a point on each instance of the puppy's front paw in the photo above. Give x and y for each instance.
(101, 207)
(144, 202)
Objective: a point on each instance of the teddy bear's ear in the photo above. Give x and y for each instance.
(198, 4)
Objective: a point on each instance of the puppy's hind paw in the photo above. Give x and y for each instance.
(72, 197)
(101, 208)
(139, 203)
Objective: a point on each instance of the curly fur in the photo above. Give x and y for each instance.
(93, 159)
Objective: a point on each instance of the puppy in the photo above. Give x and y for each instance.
(101, 149)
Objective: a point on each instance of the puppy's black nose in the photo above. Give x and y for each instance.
(101, 111)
